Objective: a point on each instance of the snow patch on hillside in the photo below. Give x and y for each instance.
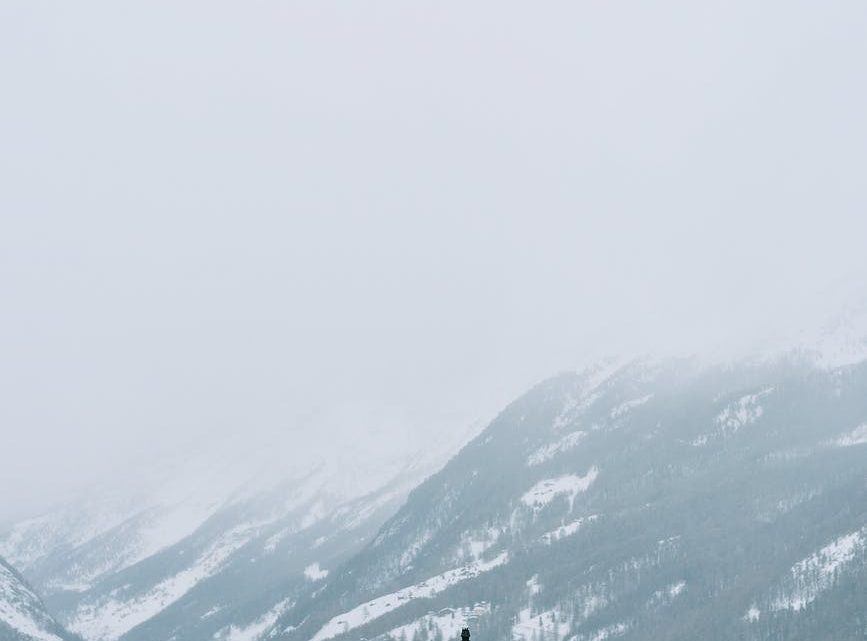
(108, 618)
(382, 605)
(608, 632)
(744, 411)
(357, 513)
(547, 452)
(567, 530)
(314, 572)
(788, 504)
(256, 630)
(409, 554)
(474, 544)
(32, 539)
(666, 595)
(628, 406)
(858, 436)
(448, 622)
(787, 456)
(543, 492)
(816, 573)
(271, 543)
(531, 624)
(154, 530)
(21, 609)
(735, 416)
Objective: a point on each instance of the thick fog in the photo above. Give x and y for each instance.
(301, 223)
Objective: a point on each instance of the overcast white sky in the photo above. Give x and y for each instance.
(310, 218)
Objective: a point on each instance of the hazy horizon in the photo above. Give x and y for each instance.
(300, 223)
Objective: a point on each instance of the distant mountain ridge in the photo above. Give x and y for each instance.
(647, 501)
(202, 563)
(667, 499)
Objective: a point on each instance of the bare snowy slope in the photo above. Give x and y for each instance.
(214, 547)
(23, 616)
(664, 499)
(652, 500)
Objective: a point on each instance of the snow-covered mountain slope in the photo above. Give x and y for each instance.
(671, 499)
(23, 616)
(211, 552)
(666, 500)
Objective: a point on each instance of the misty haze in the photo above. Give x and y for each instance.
(382, 321)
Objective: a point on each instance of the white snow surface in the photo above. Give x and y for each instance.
(257, 629)
(354, 516)
(449, 621)
(384, 604)
(549, 451)
(531, 623)
(474, 544)
(733, 417)
(22, 610)
(32, 539)
(543, 492)
(616, 630)
(666, 595)
(107, 618)
(567, 530)
(744, 411)
(314, 572)
(116, 527)
(157, 529)
(816, 573)
(858, 436)
(628, 406)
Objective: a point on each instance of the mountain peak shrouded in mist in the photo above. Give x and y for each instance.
(281, 214)
(634, 497)
(663, 499)
(842, 340)
(130, 557)
(284, 289)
